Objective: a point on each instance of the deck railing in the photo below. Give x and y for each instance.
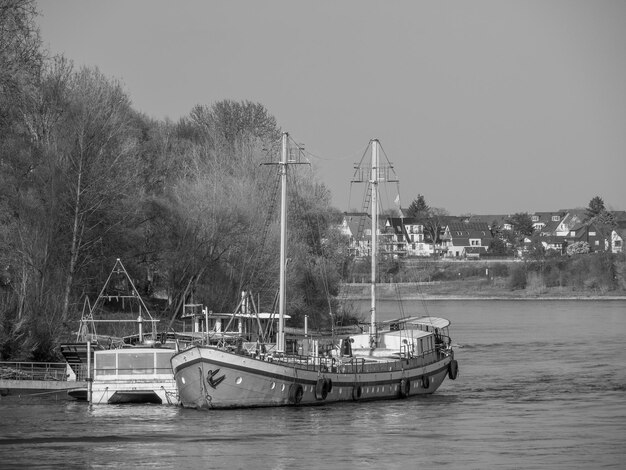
(33, 371)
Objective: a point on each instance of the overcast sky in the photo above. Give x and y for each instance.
(484, 107)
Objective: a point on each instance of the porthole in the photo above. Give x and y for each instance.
(182, 379)
(282, 389)
(238, 380)
(273, 386)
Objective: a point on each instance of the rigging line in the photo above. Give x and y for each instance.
(336, 158)
(358, 177)
(421, 295)
(317, 243)
(257, 253)
(399, 299)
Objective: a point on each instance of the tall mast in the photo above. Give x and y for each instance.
(374, 211)
(280, 342)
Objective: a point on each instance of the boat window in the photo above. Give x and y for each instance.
(163, 363)
(136, 363)
(105, 364)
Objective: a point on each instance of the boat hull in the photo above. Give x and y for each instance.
(208, 377)
(157, 391)
(134, 375)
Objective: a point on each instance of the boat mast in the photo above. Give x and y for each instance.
(280, 341)
(374, 212)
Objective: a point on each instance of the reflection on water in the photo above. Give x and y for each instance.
(541, 385)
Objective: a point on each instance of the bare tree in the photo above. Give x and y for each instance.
(98, 160)
(20, 44)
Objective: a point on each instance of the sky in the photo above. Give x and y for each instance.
(483, 106)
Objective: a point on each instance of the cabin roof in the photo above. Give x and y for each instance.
(435, 322)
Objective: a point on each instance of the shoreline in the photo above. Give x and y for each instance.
(443, 297)
(465, 291)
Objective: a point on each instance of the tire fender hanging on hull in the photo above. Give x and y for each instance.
(405, 388)
(295, 393)
(322, 389)
(453, 369)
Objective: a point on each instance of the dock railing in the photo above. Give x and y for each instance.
(33, 371)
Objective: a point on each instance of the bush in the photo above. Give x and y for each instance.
(517, 278)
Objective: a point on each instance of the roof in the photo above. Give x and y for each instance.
(435, 322)
(423, 320)
(351, 221)
(469, 227)
(492, 220)
(461, 233)
(549, 226)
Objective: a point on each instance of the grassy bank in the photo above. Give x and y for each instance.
(592, 276)
(471, 289)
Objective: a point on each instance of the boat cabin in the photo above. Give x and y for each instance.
(115, 363)
(249, 326)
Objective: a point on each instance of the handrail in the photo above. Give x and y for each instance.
(53, 371)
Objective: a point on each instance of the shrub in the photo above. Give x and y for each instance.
(517, 278)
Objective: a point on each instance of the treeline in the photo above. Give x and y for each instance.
(85, 179)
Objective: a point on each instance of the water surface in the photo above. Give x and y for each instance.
(542, 384)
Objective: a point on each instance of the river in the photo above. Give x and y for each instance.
(542, 385)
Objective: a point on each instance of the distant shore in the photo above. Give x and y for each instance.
(468, 290)
(476, 297)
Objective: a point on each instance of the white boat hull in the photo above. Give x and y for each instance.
(207, 377)
(149, 390)
(134, 375)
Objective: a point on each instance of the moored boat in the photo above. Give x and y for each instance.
(137, 374)
(397, 359)
(130, 369)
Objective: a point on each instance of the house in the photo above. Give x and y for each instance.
(496, 223)
(617, 240)
(409, 237)
(357, 226)
(590, 234)
(554, 242)
(573, 218)
(463, 240)
(547, 222)
(618, 237)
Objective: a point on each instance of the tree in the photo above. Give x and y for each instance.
(20, 46)
(522, 223)
(418, 208)
(212, 204)
(535, 249)
(597, 215)
(434, 222)
(231, 127)
(316, 248)
(595, 208)
(497, 247)
(98, 160)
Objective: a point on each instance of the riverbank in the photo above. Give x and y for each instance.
(471, 290)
